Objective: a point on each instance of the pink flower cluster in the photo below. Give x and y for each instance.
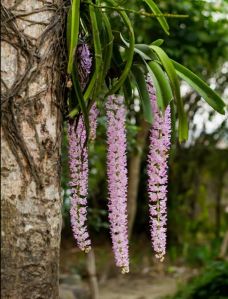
(78, 163)
(117, 170)
(84, 63)
(117, 179)
(78, 158)
(157, 173)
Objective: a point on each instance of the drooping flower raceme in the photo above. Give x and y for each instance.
(84, 62)
(78, 157)
(157, 173)
(117, 179)
(78, 163)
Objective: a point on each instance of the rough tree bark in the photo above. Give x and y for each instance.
(134, 174)
(31, 139)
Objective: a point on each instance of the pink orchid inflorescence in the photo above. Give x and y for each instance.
(78, 164)
(84, 59)
(78, 157)
(157, 173)
(117, 179)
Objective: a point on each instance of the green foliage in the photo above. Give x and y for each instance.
(115, 59)
(199, 41)
(212, 283)
(161, 19)
(201, 87)
(195, 176)
(95, 17)
(162, 87)
(143, 92)
(169, 68)
(130, 53)
(73, 31)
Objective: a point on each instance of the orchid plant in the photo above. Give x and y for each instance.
(104, 68)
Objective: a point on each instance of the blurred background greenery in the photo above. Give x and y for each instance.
(198, 173)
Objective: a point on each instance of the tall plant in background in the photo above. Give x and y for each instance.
(119, 66)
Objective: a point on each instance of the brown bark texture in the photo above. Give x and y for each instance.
(31, 68)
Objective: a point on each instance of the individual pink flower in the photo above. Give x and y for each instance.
(117, 179)
(157, 173)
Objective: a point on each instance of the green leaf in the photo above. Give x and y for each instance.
(157, 88)
(81, 101)
(118, 63)
(170, 70)
(173, 122)
(162, 20)
(95, 17)
(89, 89)
(158, 42)
(210, 96)
(130, 52)
(127, 89)
(163, 83)
(143, 93)
(74, 18)
(143, 50)
(108, 46)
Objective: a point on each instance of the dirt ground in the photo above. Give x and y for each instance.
(123, 288)
(138, 288)
(148, 279)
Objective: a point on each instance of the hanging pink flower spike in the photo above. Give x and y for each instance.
(157, 173)
(78, 158)
(78, 162)
(117, 179)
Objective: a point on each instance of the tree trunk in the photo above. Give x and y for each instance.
(134, 174)
(31, 139)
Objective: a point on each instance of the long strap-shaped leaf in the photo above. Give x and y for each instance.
(118, 62)
(210, 96)
(108, 46)
(143, 93)
(156, 86)
(74, 18)
(173, 122)
(130, 53)
(143, 50)
(154, 8)
(79, 95)
(170, 70)
(98, 50)
(162, 80)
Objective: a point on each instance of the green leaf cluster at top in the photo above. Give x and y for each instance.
(119, 64)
